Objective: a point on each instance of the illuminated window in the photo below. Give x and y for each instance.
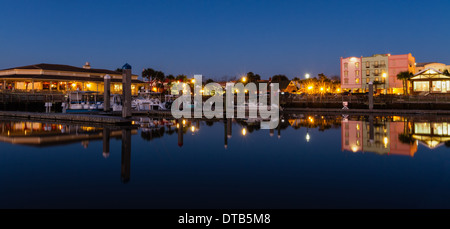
(345, 73)
(382, 63)
(367, 72)
(357, 65)
(357, 72)
(357, 80)
(367, 80)
(368, 64)
(345, 65)
(358, 143)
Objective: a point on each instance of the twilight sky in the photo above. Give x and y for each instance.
(221, 38)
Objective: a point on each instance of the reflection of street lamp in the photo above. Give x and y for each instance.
(307, 136)
(244, 132)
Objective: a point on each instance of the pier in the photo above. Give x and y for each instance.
(89, 118)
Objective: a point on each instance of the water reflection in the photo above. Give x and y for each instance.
(51, 134)
(384, 135)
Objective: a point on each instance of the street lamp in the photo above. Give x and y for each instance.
(244, 79)
(307, 75)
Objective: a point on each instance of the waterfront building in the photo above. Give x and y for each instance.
(351, 74)
(438, 66)
(430, 81)
(62, 78)
(381, 69)
(397, 64)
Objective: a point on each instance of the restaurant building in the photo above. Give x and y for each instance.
(54, 78)
(430, 80)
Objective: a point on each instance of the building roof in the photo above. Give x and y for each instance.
(67, 68)
(62, 77)
(423, 64)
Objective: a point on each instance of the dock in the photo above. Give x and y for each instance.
(80, 118)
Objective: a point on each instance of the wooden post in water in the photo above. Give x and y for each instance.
(107, 93)
(371, 95)
(126, 90)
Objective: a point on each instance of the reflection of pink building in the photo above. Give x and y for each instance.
(396, 146)
(351, 136)
(397, 64)
(351, 73)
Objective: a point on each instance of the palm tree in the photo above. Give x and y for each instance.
(148, 73)
(446, 72)
(404, 76)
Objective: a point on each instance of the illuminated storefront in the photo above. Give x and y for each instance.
(430, 81)
(62, 78)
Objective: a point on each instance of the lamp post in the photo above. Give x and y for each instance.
(307, 76)
(384, 75)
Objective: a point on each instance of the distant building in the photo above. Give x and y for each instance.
(62, 78)
(438, 66)
(381, 69)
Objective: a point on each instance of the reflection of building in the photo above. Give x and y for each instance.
(431, 134)
(357, 136)
(351, 132)
(62, 78)
(41, 134)
(430, 80)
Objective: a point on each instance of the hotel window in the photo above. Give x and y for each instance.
(357, 65)
(345, 73)
(382, 63)
(346, 81)
(358, 143)
(367, 64)
(345, 65)
(376, 79)
(346, 126)
(367, 72)
(367, 80)
(375, 64)
(357, 80)
(357, 72)
(357, 126)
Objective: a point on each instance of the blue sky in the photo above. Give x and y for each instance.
(220, 38)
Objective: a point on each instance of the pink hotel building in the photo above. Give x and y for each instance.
(382, 69)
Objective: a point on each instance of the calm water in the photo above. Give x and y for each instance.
(311, 161)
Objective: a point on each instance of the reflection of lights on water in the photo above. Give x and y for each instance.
(385, 140)
(8, 133)
(184, 122)
(178, 125)
(193, 128)
(307, 137)
(244, 131)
